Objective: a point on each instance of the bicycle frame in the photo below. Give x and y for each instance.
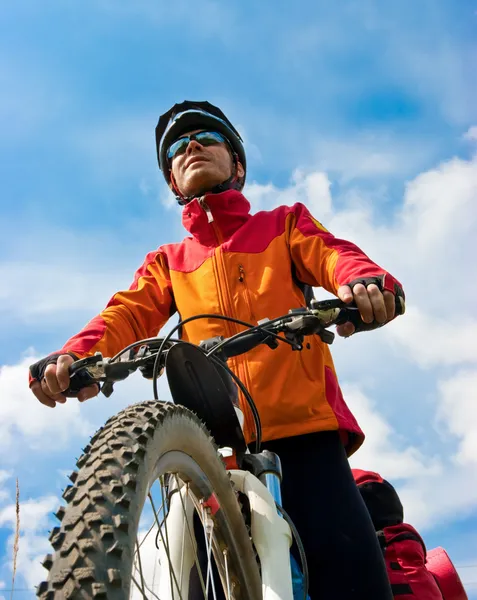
(271, 536)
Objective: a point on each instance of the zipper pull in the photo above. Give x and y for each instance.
(208, 212)
(241, 273)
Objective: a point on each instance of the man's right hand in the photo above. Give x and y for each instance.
(49, 378)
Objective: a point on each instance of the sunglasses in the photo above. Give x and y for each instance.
(205, 138)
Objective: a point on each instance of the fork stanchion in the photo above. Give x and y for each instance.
(272, 482)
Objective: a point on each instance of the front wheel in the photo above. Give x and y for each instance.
(151, 514)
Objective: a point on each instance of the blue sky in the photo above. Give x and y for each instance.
(365, 111)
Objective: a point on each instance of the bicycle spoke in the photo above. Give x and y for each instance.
(151, 528)
(176, 579)
(154, 573)
(184, 516)
(208, 547)
(147, 588)
(227, 577)
(139, 588)
(210, 561)
(176, 571)
(140, 566)
(192, 539)
(172, 575)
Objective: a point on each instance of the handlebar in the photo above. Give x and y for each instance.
(149, 355)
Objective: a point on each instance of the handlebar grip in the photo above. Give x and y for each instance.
(79, 380)
(350, 314)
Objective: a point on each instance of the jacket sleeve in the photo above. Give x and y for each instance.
(321, 259)
(130, 315)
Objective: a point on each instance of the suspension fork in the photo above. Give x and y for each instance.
(271, 534)
(267, 468)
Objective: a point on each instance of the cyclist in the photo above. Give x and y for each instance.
(251, 267)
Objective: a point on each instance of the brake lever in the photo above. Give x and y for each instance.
(84, 372)
(96, 369)
(117, 371)
(92, 364)
(308, 324)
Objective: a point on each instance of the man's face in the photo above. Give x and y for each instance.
(202, 167)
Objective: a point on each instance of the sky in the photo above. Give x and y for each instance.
(365, 111)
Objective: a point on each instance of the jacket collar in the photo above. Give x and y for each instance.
(214, 218)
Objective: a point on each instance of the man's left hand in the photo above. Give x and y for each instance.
(373, 305)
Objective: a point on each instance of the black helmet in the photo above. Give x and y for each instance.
(187, 116)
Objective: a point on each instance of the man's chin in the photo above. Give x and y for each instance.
(199, 186)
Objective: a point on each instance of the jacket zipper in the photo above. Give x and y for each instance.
(241, 363)
(226, 302)
(246, 292)
(208, 212)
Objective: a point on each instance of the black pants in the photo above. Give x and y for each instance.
(319, 493)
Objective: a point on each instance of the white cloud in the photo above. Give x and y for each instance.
(468, 573)
(435, 500)
(47, 299)
(4, 494)
(373, 154)
(33, 514)
(27, 424)
(471, 134)
(433, 488)
(4, 475)
(433, 340)
(53, 288)
(385, 450)
(440, 203)
(350, 156)
(458, 410)
(312, 188)
(33, 542)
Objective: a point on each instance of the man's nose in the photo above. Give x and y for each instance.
(193, 145)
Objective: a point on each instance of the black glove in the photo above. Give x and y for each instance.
(79, 381)
(37, 370)
(384, 283)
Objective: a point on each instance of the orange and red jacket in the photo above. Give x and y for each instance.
(241, 265)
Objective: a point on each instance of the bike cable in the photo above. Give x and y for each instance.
(248, 398)
(300, 547)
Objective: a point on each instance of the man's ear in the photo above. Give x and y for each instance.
(240, 170)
